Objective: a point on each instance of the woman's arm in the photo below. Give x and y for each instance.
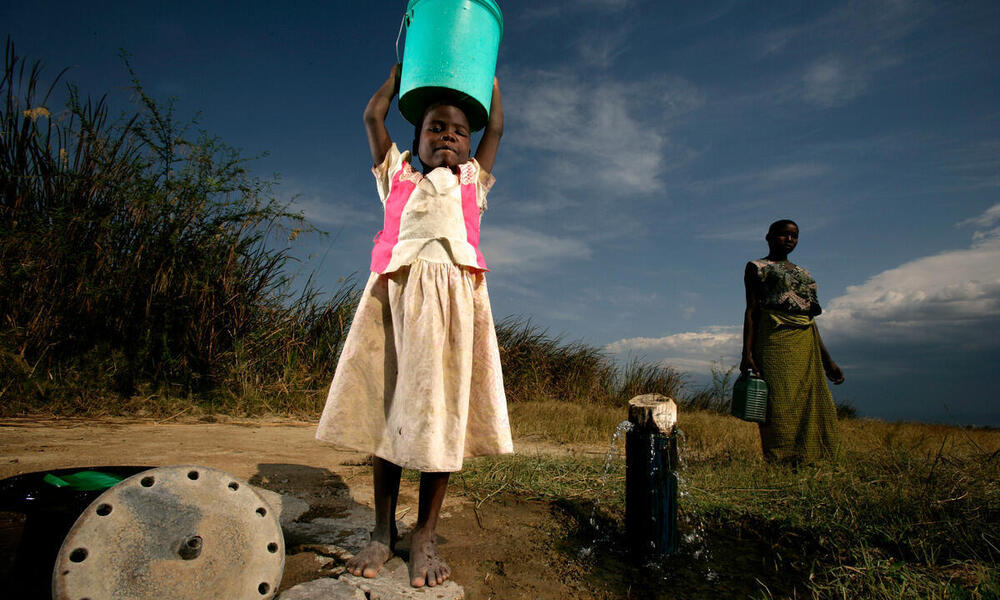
(750, 316)
(486, 153)
(833, 372)
(378, 107)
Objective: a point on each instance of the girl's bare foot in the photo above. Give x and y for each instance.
(371, 558)
(426, 565)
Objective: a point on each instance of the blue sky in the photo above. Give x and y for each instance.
(647, 147)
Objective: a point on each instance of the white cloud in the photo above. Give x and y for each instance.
(694, 351)
(828, 80)
(597, 133)
(950, 299)
(846, 49)
(711, 339)
(836, 80)
(601, 47)
(987, 219)
(525, 249)
(324, 212)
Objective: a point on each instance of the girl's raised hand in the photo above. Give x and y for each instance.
(486, 153)
(394, 74)
(379, 141)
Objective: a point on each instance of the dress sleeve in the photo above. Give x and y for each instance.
(387, 169)
(484, 183)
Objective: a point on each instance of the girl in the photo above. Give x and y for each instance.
(418, 384)
(781, 343)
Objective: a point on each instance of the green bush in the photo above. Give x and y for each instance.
(135, 256)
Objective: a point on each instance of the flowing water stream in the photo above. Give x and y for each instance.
(693, 542)
(587, 550)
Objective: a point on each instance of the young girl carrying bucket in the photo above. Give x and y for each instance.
(418, 384)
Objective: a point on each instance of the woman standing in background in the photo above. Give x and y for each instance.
(782, 344)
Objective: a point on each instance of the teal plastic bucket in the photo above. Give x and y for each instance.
(450, 54)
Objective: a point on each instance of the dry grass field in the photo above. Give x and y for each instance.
(907, 510)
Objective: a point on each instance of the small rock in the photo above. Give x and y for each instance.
(324, 531)
(333, 571)
(393, 583)
(331, 550)
(323, 589)
(350, 533)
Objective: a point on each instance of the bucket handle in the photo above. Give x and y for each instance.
(404, 22)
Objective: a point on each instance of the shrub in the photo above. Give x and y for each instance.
(538, 366)
(134, 254)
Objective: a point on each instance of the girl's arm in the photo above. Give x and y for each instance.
(833, 372)
(486, 153)
(378, 107)
(749, 322)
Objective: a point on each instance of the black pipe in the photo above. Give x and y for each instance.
(651, 492)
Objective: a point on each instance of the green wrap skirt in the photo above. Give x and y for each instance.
(801, 423)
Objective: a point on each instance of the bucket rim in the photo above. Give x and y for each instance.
(490, 5)
(414, 101)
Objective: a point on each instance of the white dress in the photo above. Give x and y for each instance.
(418, 382)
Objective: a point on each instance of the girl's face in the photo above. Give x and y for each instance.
(783, 239)
(444, 138)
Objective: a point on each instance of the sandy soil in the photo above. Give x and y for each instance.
(506, 548)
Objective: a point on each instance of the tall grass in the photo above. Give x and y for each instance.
(716, 396)
(539, 366)
(138, 258)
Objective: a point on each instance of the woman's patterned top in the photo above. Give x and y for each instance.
(785, 287)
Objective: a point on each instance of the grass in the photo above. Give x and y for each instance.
(564, 422)
(907, 511)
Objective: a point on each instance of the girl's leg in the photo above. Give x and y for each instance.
(370, 559)
(426, 565)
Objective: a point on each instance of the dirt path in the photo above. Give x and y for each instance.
(506, 549)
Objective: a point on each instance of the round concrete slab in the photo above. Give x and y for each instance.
(179, 532)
